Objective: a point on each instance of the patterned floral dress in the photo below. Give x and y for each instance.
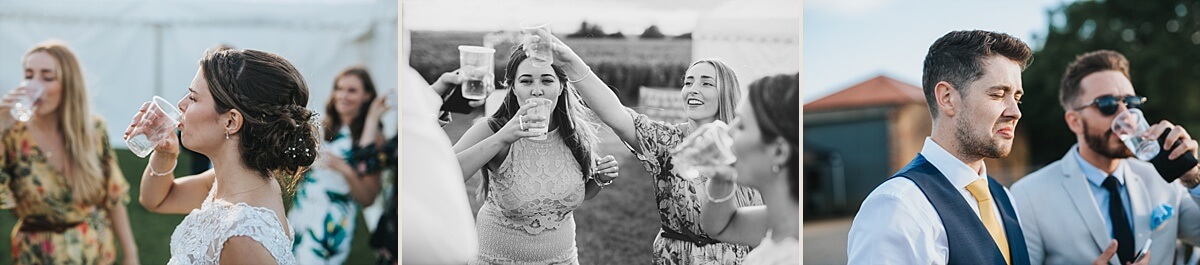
(323, 212)
(528, 215)
(678, 203)
(54, 226)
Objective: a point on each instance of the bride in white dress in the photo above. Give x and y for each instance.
(245, 111)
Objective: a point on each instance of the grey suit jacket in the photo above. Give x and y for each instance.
(1063, 224)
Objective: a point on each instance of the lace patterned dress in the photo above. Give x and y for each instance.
(678, 203)
(202, 234)
(527, 215)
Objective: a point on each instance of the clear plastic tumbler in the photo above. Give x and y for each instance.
(709, 146)
(156, 125)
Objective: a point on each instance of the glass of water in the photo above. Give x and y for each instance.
(24, 108)
(709, 146)
(534, 34)
(477, 66)
(1131, 126)
(156, 125)
(543, 109)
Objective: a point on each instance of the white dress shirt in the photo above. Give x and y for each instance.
(898, 225)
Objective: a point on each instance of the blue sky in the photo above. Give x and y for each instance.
(850, 41)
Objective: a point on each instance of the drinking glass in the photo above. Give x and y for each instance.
(477, 66)
(709, 146)
(156, 125)
(24, 108)
(1130, 125)
(534, 34)
(542, 109)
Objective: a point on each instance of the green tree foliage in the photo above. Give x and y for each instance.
(1161, 39)
(652, 33)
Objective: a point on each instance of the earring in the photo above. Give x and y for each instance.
(775, 169)
(226, 135)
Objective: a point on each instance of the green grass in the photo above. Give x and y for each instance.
(618, 226)
(152, 231)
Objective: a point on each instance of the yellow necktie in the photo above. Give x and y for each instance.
(979, 189)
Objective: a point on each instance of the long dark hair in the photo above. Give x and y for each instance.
(333, 121)
(576, 127)
(776, 104)
(277, 139)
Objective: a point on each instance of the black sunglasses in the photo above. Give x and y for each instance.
(1107, 104)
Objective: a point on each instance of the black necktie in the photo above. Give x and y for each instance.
(1120, 224)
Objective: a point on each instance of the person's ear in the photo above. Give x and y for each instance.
(947, 98)
(233, 122)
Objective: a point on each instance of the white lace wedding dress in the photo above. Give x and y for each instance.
(202, 234)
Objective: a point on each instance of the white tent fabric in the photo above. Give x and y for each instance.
(134, 49)
(756, 38)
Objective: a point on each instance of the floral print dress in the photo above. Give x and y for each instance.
(54, 227)
(678, 203)
(323, 212)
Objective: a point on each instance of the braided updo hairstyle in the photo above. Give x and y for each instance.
(277, 137)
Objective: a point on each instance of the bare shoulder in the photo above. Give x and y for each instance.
(245, 250)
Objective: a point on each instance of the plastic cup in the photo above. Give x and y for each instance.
(1130, 125)
(534, 38)
(543, 109)
(155, 126)
(24, 108)
(477, 66)
(710, 145)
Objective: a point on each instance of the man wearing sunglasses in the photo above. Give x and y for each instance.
(943, 208)
(1096, 200)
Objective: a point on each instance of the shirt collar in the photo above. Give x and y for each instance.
(957, 172)
(1094, 174)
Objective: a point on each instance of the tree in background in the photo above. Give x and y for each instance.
(588, 31)
(1161, 39)
(652, 33)
(617, 35)
(685, 36)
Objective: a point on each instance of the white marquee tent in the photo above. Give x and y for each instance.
(756, 38)
(134, 49)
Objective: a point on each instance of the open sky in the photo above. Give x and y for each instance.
(850, 41)
(630, 17)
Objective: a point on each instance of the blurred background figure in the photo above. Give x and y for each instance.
(765, 141)
(58, 172)
(330, 194)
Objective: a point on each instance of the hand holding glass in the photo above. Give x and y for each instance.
(477, 66)
(537, 45)
(542, 109)
(1131, 127)
(156, 125)
(24, 107)
(709, 146)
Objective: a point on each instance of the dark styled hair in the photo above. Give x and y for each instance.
(333, 121)
(575, 125)
(957, 58)
(277, 137)
(776, 104)
(1087, 64)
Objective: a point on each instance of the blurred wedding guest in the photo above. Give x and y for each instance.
(371, 157)
(943, 208)
(766, 143)
(1097, 200)
(710, 92)
(244, 110)
(532, 186)
(326, 204)
(58, 172)
(438, 227)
